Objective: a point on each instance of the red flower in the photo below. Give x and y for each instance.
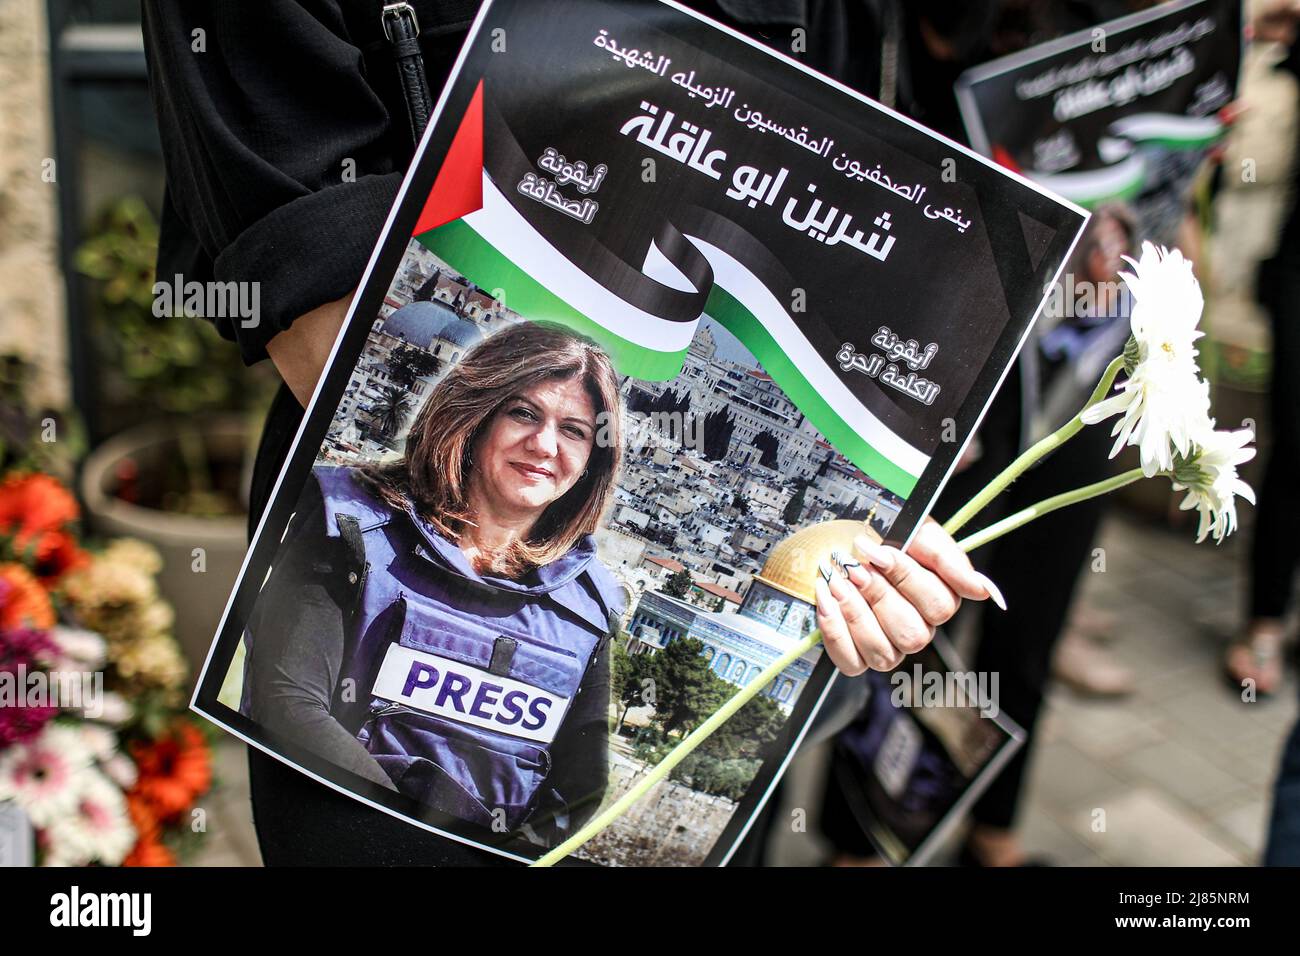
(31, 505)
(57, 554)
(174, 770)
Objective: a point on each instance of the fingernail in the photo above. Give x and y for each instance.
(824, 570)
(844, 562)
(993, 590)
(823, 598)
(877, 554)
(861, 577)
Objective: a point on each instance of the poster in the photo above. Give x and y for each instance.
(1122, 113)
(1118, 118)
(929, 741)
(659, 319)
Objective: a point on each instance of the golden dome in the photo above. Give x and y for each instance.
(792, 566)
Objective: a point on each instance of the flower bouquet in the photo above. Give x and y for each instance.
(95, 748)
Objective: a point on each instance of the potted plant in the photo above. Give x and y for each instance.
(184, 425)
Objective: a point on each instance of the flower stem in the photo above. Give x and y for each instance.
(1033, 453)
(1026, 515)
(681, 751)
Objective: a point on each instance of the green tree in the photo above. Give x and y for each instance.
(391, 409)
(629, 674)
(679, 584)
(769, 447)
(794, 507)
(750, 732)
(718, 428)
(686, 691)
(406, 363)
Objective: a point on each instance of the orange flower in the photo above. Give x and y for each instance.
(31, 505)
(149, 849)
(174, 770)
(150, 853)
(23, 602)
(142, 817)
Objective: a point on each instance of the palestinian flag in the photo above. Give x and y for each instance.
(472, 226)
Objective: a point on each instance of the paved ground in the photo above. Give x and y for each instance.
(1184, 768)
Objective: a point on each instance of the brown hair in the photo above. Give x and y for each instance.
(432, 478)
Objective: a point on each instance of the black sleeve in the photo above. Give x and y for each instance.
(580, 754)
(257, 114)
(297, 647)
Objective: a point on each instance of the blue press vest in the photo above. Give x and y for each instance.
(461, 681)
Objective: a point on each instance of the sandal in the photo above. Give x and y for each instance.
(1256, 657)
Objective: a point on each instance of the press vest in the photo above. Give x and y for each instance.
(460, 681)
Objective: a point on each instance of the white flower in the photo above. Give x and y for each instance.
(99, 740)
(1163, 402)
(122, 770)
(1210, 479)
(116, 710)
(40, 774)
(96, 830)
(80, 646)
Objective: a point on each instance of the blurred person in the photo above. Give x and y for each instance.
(1042, 561)
(1256, 656)
(1275, 549)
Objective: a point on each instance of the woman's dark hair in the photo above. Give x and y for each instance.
(432, 478)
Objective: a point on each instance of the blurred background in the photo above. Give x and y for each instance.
(156, 420)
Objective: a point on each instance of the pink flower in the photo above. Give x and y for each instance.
(41, 774)
(22, 651)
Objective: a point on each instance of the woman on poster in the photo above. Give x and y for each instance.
(439, 625)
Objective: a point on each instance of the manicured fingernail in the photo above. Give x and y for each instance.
(824, 570)
(993, 590)
(877, 554)
(823, 598)
(844, 562)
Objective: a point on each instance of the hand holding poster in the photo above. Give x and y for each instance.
(659, 321)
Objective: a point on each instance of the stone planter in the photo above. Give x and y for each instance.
(198, 597)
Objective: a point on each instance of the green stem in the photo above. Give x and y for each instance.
(1033, 454)
(1026, 515)
(681, 751)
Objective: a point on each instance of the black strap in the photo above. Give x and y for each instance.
(503, 655)
(358, 568)
(402, 30)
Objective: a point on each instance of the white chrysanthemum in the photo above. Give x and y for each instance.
(1210, 479)
(40, 774)
(1163, 402)
(79, 646)
(96, 830)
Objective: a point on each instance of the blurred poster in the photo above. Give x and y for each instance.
(1120, 113)
(929, 742)
(660, 320)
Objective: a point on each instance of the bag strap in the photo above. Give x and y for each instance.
(359, 568)
(402, 31)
